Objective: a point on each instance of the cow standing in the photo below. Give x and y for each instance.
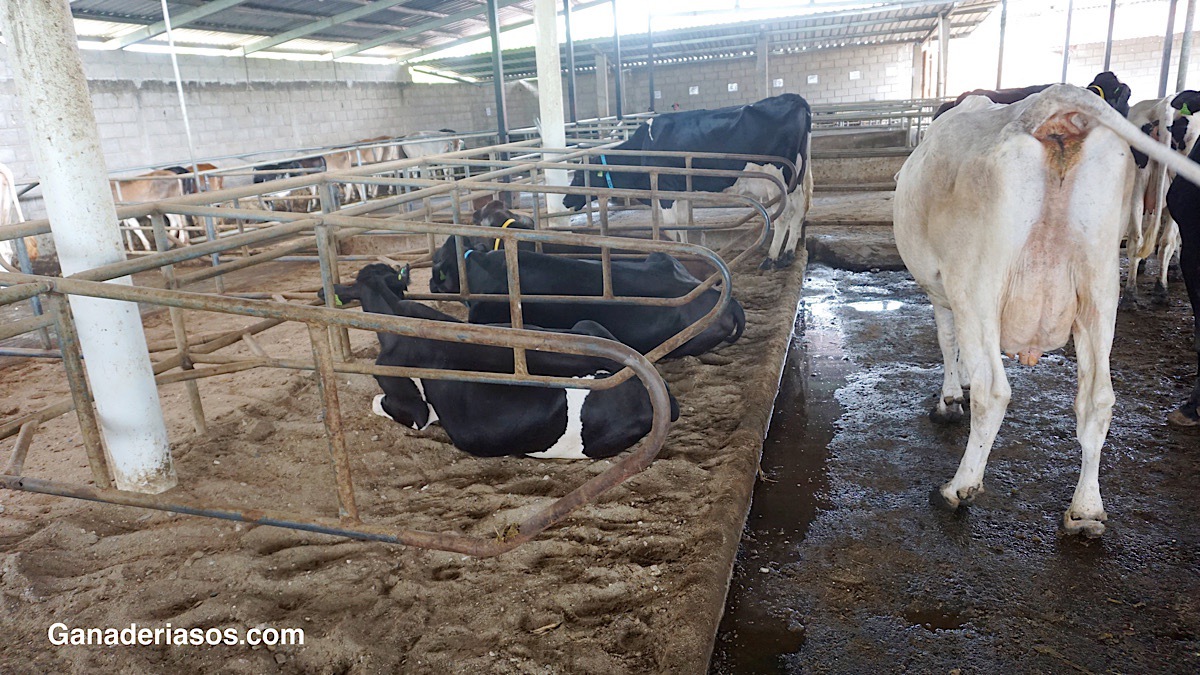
(1183, 199)
(1105, 85)
(492, 420)
(1010, 218)
(152, 186)
(1151, 225)
(780, 126)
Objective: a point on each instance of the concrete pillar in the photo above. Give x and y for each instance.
(62, 131)
(762, 72)
(601, 85)
(550, 95)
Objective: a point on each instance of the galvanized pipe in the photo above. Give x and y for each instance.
(1168, 41)
(1185, 47)
(1112, 20)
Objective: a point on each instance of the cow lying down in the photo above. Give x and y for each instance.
(493, 420)
(641, 327)
(496, 214)
(1010, 218)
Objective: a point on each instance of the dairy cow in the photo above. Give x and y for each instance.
(1183, 199)
(779, 126)
(641, 327)
(492, 420)
(1010, 219)
(1151, 225)
(1105, 85)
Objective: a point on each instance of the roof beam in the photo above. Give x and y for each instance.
(315, 26)
(479, 36)
(416, 30)
(178, 21)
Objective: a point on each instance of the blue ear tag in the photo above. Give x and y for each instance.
(468, 253)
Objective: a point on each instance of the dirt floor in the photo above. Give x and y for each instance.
(847, 568)
(631, 584)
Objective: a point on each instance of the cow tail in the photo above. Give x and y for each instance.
(739, 320)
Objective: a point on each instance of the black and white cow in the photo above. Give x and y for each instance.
(779, 126)
(1183, 200)
(493, 420)
(641, 327)
(496, 214)
(1105, 85)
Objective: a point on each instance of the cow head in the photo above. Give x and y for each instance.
(1113, 91)
(576, 202)
(444, 278)
(496, 214)
(396, 282)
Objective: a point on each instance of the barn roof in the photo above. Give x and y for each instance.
(412, 31)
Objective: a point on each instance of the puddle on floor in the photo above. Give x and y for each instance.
(755, 632)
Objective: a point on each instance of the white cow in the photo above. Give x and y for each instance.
(1150, 225)
(1010, 217)
(425, 148)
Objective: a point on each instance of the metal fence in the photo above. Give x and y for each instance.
(517, 172)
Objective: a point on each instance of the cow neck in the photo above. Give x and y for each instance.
(607, 174)
(510, 221)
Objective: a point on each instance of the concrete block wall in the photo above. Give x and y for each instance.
(884, 72)
(1136, 62)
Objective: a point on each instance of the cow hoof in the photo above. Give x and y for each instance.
(766, 264)
(1184, 417)
(947, 413)
(785, 260)
(952, 500)
(1091, 528)
(1160, 296)
(1128, 302)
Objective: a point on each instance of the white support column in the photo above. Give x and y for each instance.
(601, 85)
(550, 96)
(62, 130)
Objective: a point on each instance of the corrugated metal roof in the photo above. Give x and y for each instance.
(910, 23)
(407, 27)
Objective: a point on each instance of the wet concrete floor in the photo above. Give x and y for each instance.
(846, 567)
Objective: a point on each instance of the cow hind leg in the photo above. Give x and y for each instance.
(990, 394)
(949, 408)
(1168, 246)
(1188, 415)
(777, 241)
(1093, 412)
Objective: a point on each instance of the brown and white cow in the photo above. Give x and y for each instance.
(1010, 217)
(10, 205)
(149, 187)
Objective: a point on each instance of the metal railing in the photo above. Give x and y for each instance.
(188, 358)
